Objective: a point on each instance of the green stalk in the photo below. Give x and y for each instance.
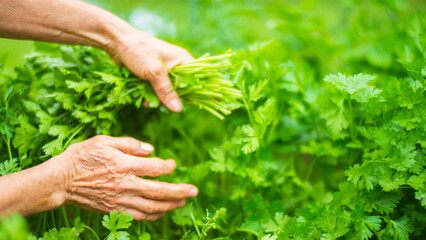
(202, 83)
(92, 231)
(53, 218)
(64, 214)
(191, 214)
(9, 149)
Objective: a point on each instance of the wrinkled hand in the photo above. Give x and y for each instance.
(103, 174)
(141, 54)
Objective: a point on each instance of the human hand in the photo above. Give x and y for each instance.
(103, 173)
(78, 22)
(143, 55)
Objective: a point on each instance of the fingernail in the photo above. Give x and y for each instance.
(173, 163)
(182, 203)
(193, 192)
(147, 147)
(175, 105)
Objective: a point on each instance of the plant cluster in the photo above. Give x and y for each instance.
(324, 138)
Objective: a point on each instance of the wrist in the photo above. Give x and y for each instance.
(114, 33)
(56, 172)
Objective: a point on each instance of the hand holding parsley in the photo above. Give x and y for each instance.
(76, 22)
(150, 58)
(101, 174)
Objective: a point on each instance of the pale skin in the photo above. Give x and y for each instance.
(102, 173)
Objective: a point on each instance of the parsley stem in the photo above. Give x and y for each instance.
(91, 230)
(248, 230)
(193, 220)
(9, 150)
(64, 214)
(73, 135)
(52, 214)
(311, 168)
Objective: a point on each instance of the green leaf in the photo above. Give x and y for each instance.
(45, 121)
(373, 222)
(9, 166)
(14, 227)
(256, 90)
(401, 228)
(120, 235)
(266, 113)
(270, 237)
(109, 78)
(114, 222)
(351, 84)
(406, 158)
(332, 111)
(24, 137)
(277, 223)
(251, 140)
(144, 236)
(53, 147)
(60, 131)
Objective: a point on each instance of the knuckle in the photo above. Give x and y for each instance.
(100, 138)
(128, 139)
(142, 216)
(186, 55)
(152, 208)
(170, 165)
(133, 142)
(127, 143)
(159, 192)
(157, 70)
(183, 189)
(156, 171)
(111, 203)
(164, 89)
(172, 206)
(118, 187)
(139, 216)
(157, 167)
(152, 218)
(75, 147)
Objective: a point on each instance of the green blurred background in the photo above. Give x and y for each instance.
(147, 15)
(214, 25)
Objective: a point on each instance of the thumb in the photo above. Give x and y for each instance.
(164, 89)
(129, 145)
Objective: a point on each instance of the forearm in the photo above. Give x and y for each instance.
(61, 21)
(33, 190)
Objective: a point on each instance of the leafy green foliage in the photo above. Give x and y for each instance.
(65, 232)
(326, 139)
(115, 223)
(9, 166)
(15, 227)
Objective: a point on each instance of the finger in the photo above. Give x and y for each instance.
(92, 204)
(150, 167)
(141, 216)
(185, 57)
(152, 206)
(128, 145)
(161, 190)
(164, 89)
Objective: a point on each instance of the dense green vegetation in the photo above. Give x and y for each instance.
(326, 138)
